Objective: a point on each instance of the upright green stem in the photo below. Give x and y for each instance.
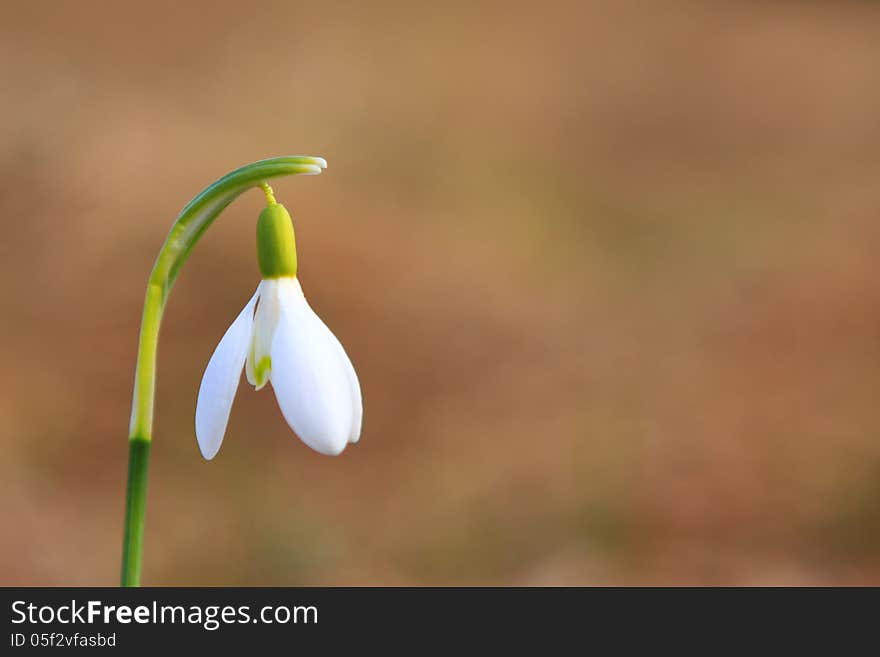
(135, 505)
(192, 222)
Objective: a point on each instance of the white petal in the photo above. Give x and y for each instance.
(312, 385)
(258, 365)
(220, 381)
(357, 405)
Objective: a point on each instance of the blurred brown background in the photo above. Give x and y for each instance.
(607, 273)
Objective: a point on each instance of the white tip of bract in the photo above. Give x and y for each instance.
(220, 382)
(313, 378)
(314, 166)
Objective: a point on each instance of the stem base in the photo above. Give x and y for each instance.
(135, 504)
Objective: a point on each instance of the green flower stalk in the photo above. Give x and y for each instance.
(189, 226)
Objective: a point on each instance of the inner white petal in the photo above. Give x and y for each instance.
(259, 358)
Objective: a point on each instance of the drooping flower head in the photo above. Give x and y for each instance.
(277, 338)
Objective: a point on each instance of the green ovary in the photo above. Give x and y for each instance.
(276, 245)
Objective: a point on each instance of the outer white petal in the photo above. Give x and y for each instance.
(312, 385)
(220, 381)
(357, 405)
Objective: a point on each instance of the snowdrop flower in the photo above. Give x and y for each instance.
(277, 338)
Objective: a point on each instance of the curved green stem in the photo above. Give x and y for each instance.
(189, 226)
